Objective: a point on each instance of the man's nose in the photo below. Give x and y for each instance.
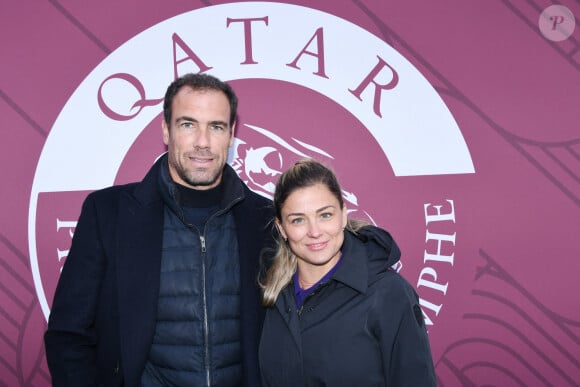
(203, 138)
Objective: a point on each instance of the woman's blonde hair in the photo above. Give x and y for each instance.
(304, 173)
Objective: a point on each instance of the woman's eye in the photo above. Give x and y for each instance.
(296, 221)
(326, 215)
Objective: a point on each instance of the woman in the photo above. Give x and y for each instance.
(337, 314)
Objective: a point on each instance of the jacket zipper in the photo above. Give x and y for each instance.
(299, 311)
(308, 298)
(207, 359)
(205, 313)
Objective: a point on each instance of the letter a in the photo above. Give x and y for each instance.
(177, 41)
(319, 36)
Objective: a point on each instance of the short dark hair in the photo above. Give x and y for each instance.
(199, 81)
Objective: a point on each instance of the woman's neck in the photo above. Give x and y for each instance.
(309, 274)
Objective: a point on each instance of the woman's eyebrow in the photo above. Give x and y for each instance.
(322, 209)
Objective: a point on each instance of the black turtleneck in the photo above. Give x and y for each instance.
(199, 205)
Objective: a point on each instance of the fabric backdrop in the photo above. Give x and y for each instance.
(452, 124)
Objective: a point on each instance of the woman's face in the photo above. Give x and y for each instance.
(313, 222)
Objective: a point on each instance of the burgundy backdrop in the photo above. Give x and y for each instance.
(472, 159)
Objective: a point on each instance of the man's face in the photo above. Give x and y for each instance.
(198, 137)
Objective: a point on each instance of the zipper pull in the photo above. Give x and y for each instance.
(202, 239)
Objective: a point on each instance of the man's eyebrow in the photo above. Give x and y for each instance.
(185, 118)
(221, 123)
(191, 119)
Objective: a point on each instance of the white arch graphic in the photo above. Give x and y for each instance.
(416, 132)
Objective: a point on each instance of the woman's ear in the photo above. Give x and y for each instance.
(344, 216)
(280, 229)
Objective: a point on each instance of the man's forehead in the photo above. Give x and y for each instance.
(187, 89)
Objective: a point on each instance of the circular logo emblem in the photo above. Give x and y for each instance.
(310, 85)
(557, 23)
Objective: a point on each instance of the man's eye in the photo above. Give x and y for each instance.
(217, 128)
(187, 125)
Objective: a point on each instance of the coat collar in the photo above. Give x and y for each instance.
(157, 184)
(353, 271)
(366, 254)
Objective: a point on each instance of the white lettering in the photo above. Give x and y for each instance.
(67, 225)
(439, 238)
(439, 217)
(431, 306)
(436, 217)
(431, 284)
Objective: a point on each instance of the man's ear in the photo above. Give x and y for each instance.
(233, 133)
(165, 132)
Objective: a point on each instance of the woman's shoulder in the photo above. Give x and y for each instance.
(391, 288)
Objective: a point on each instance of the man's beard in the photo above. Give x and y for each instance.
(193, 180)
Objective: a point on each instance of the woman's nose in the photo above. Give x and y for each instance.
(313, 229)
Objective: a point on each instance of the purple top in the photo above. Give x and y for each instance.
(301, 294)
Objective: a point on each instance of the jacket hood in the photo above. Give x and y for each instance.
(366, 255)
(380, 245)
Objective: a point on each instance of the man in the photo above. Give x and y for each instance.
(159, 287)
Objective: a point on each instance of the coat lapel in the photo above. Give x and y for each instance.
(286, 306)
(138, 267)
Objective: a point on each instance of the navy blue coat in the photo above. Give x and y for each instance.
(103, 316)
(363, 327)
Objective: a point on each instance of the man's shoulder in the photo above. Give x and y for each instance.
(256, 211)
(256, 200)
(111, 194)
(142, 189)
(113, 190)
